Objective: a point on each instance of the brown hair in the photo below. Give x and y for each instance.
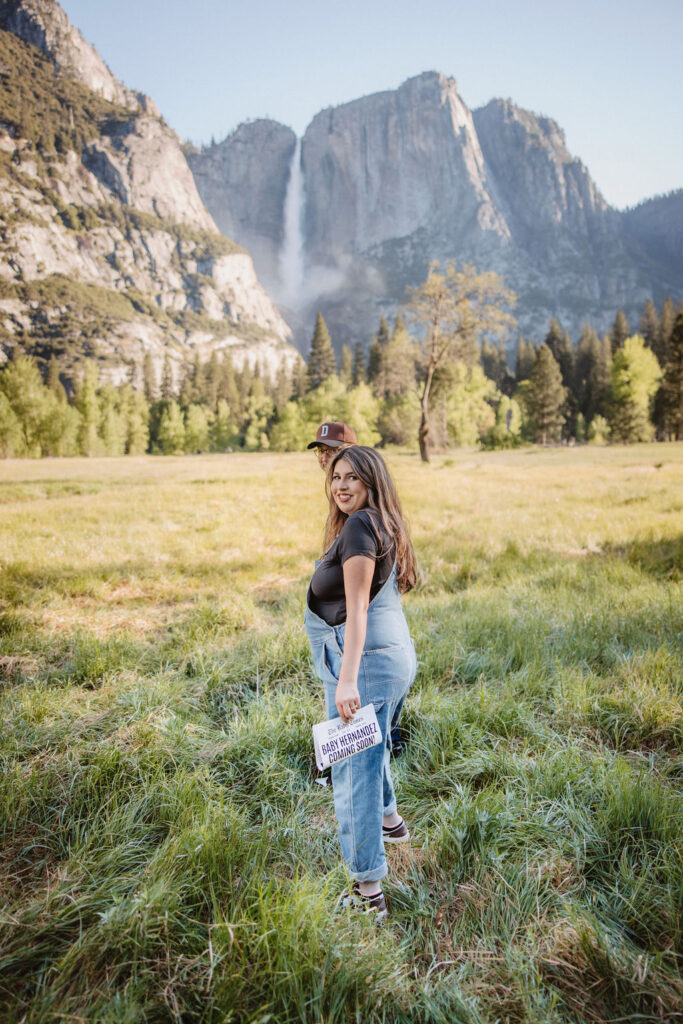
(371, 470)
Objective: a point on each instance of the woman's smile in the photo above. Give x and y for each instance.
(348, 491)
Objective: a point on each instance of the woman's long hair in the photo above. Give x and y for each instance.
(369, 467)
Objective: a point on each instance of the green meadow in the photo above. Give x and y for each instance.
(166, 854)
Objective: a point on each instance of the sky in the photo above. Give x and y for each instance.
(608, 71)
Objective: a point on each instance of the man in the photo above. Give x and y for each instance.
(330, 437)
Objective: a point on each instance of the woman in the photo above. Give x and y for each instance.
(363, 653)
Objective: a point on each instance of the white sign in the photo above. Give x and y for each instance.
(336, 739)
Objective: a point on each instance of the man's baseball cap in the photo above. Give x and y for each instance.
(334, 435)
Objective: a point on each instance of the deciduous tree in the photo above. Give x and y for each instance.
(635, 375)
(171, 431)
(450, 311)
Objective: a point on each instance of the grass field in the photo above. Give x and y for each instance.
(166, 854)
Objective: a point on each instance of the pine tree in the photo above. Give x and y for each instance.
(167, 385)
(620, 331)
(149, 377)
(244, 379)
(559, 343)
(223, 429)
(672, 384)
(524, 360)
(666, 326)
(546, 397)
(358, 375)
(283, 388)
(383, 332)
(136, 412)
(87, 403)
(398, 365)
(321, 361)
(112, 426)
(495, 365)
(649, 325)
(553, 338)
(588, 355)
(198, 380)
(212, 381)
(134, 374)
(227, 388)
(346, 367)
(299, 379)
(374, 370)
(54, 381)
(186, 391)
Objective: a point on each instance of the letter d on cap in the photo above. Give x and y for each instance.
(324, 430)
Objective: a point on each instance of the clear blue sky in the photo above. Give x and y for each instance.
(608, 71)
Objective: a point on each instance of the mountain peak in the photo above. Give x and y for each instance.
(44, 24)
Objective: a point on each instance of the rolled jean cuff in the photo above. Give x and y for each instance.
(374, 875)
(391, 809)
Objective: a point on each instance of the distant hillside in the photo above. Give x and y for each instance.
(106, 248)
(657, 226)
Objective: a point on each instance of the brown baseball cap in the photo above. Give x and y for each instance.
(334, 435)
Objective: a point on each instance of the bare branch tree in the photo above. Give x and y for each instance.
(450, 311)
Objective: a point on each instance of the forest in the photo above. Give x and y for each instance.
(452, 388)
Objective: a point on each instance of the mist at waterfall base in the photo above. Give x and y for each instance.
(300, 284)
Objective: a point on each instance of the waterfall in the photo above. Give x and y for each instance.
(292, 252)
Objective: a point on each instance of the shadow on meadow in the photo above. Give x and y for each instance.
(662, 559)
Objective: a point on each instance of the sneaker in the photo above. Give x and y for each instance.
(396, 834)
(375, 904)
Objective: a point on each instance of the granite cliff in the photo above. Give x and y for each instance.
(394, 180)
(107, 248)
(656, 225)
(245, 193)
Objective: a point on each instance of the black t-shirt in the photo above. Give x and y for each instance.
(361, 534)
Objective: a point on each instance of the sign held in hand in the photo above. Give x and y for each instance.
(336, 739)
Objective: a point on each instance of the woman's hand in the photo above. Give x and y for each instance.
(347, 700)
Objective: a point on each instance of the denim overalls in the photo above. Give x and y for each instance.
(363, 790)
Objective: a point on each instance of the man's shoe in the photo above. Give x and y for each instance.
(397, 834)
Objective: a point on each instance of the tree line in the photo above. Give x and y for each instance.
(437, 376)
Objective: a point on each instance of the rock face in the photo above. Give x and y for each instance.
(244, 191)
(395, 180)
(43, 24)
(106, 247)
(657, 226)
(141, 164)
(394, 164)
